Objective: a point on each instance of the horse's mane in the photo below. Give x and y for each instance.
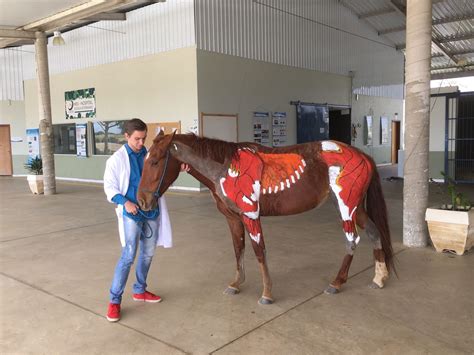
(215, 149)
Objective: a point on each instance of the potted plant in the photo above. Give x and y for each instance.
(35, 178)
(451, 226)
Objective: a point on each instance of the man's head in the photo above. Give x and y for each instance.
(135, 133)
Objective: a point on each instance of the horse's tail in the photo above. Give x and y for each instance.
(377, 211)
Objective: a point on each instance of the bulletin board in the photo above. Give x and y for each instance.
(279, 129)
(154, 129)
(219, 125)
(261, 128)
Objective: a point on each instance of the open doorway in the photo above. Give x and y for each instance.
(316, 122)
(6, 165)
(395, 141)
(340, 125)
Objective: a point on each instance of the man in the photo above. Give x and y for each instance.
(138, 229)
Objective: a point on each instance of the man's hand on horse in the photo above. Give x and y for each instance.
(185, 167)
(130, 207)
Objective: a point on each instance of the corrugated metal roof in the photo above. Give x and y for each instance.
(453, 29)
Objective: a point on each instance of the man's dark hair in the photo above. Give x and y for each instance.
(135, 124)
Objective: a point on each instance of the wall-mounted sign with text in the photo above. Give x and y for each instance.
(80, 103)
(81, 139)
(33, 140)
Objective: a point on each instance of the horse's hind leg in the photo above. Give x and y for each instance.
(351, 244)
(348, 216)
(381, 271)
(254, 229)
(238, 239)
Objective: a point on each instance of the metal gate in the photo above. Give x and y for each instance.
(459, 137)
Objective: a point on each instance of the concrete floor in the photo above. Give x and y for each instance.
(57, 255)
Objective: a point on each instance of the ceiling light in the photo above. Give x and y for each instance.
(58, 40)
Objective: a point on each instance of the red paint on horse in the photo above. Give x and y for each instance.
(353, 178)
(242, 186)
(280, 167)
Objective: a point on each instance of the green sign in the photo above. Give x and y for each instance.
(80, 103)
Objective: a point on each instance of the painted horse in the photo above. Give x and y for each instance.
(249, 180)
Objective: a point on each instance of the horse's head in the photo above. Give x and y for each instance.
(160, 170)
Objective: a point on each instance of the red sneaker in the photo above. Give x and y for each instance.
(113, 313)
(146, 297)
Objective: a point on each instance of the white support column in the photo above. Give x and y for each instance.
(45, 124)
(417, 122)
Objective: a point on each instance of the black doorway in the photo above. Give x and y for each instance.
(340, 125)
(316, 122)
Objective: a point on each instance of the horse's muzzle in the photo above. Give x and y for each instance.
(146, 201)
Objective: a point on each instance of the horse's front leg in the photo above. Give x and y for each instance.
(238, 239)
(254, 229)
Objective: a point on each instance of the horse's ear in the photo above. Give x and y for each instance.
(168, 139)
(161, 132)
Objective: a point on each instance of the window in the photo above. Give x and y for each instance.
(64, 138)
(108, 137)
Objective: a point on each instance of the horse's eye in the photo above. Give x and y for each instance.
(154, 162)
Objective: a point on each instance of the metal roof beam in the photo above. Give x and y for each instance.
(118, 16)
(16, 34)
(445, 52)
(454, 74)
(376, 13)
(461, 52)
(441, 21)
(392, 30)
(75, 13)
(444, 67)
(460, 37)
(402, 9)
(465, 17)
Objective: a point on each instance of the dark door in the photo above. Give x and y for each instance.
(6, 165)
(312, 123)
(340, 125)
(395, 141)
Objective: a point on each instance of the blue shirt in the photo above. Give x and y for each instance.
(136, 168)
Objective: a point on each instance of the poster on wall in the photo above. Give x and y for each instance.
(80, 103)
(81, 139)
(279, 128)
(368, 130)
(261, 128)
(32, 139)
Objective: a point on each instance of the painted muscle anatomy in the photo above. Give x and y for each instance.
(347, 174)
(242, 186)
(248, 181)
(251, 173)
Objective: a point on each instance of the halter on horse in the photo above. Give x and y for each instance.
(249, 180)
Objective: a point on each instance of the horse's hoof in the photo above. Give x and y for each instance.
(231, 291)
(374, 286)
(265, 301)
(331, 290)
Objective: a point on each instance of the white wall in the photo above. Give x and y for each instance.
(149, 30)
(437, 123)
(376, 107)
(156, 88)
(13, 113)
(159, 87)
(229, 85)
(320, 35)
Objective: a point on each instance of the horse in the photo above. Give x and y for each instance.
(248, 180)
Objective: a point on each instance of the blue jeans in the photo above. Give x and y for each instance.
(145, 233)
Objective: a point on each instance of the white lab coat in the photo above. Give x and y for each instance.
(116, 180)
